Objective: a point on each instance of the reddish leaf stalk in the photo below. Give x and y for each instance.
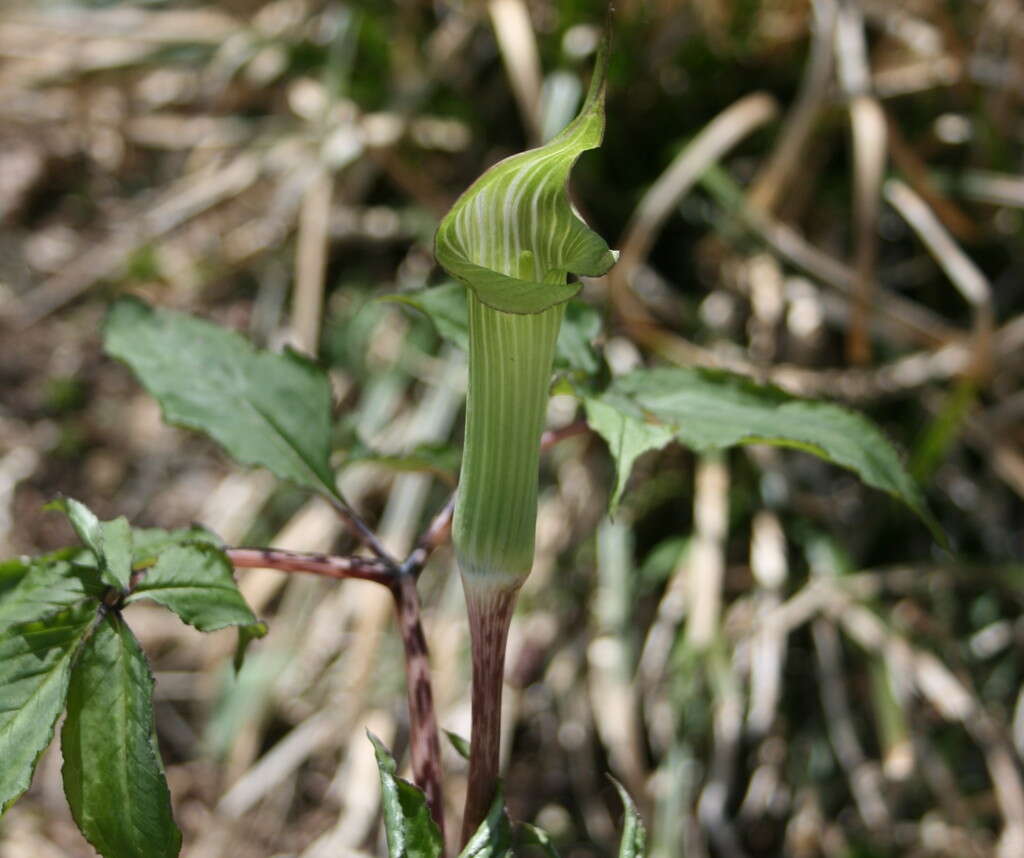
(363, 568)
(360, 529)
(424, 746)
(553, 436)
(437, 533)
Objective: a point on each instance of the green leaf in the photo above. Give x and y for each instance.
(493, 839)
(410, 830)
(272, 410)
(12, 573)
(445, 306)
(110, 541)
(246, 635)
(513, 236)
(634, 835)
(711, 410)
(531, 835)
(460, 745)
(628, 435)
(51, 584)
(197, 583)
(117, 550)
(113, 776)
(575, 347)
(35, 667)
(148, 542)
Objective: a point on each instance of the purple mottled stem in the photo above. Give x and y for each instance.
(424, 747)
(490, 613)
(360, 529)
(364, 568)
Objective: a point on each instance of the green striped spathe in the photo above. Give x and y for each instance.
(513, 239)
(510, 367)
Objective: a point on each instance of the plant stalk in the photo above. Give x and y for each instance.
(490, 614)
(510, 362)
(424, 746)
(512, 239)
(326, 565)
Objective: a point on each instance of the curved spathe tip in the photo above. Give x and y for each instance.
(513, 237)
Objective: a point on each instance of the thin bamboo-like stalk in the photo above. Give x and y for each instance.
(518, 46)
(783, 162)
(311, 263)
(720, 135)
(968, 279)
(868, 128)
(707, 555)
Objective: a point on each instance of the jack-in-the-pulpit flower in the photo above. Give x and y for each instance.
(513, 239)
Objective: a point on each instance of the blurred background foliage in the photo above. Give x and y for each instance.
(825, 194)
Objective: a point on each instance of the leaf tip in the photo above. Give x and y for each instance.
(246, 635)
(460, 744)
(385, 760)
